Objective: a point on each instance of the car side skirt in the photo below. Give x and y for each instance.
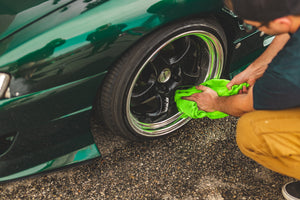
(80, 155)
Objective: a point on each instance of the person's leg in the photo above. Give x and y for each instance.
(272, 138)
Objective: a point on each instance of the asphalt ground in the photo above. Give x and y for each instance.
(199, 161)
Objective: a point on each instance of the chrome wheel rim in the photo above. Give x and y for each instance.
(186, 59)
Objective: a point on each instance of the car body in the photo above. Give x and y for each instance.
(54, 56)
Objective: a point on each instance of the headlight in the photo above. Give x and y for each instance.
(4, 82)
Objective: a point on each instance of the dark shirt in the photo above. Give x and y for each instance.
(279, 87)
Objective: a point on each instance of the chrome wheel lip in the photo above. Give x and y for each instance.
(174, 122)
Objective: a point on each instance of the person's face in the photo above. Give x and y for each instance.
(274, 27)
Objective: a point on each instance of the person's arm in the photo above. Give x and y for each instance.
(256, 69)
(209, 101)
(237, 105)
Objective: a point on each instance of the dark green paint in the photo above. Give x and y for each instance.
(46, 125)
(88, 152)
(15, 14)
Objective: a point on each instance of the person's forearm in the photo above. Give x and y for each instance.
(235, 105)
(262, 62)
(277, 44)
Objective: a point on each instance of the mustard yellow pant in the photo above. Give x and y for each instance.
(272, 138)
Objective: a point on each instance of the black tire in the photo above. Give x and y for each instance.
(136, 99)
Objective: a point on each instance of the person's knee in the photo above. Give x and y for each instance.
(262, 138)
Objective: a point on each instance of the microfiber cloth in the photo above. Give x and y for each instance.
(190, 108)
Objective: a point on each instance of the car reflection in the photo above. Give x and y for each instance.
(26, 63)
(104, 36)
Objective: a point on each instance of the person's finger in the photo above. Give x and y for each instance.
(229, 85)
(189, 98)
(245, 89)
(251, 82)
(202, 87)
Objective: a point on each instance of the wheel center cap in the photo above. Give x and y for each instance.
(164, 76)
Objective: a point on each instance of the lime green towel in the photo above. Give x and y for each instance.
(190, 108)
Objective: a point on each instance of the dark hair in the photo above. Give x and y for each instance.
(264, 10)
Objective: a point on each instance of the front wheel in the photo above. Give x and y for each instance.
(137, 98)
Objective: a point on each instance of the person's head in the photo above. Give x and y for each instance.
(270, 16)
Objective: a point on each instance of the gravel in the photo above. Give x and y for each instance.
(199, 161)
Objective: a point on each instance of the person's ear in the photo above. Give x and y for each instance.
(282, 24)
(283, 21)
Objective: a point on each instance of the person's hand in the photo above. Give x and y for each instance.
(206, 100)
(247, 76)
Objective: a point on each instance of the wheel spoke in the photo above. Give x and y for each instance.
(173, 52)
(147, 106)
(159, 63)
(143, 99)
(145, 82)
(189, 62)
(195, 62)
(183, 47)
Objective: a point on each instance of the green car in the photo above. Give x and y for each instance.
(61, 60)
